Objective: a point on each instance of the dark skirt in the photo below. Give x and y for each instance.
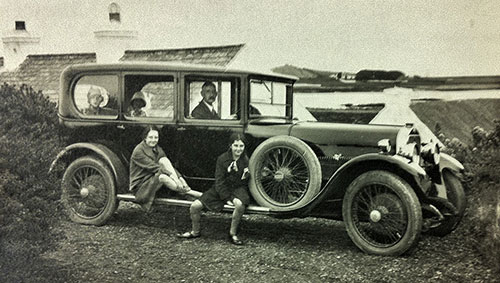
(146, 191)
(213, 202)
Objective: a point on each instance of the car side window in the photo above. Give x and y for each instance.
(97, 96)
(212, 98)
(149, 96)
(269, 98)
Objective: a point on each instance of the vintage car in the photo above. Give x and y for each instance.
(381, 180)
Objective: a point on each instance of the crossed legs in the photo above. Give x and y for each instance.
(171, 180)
(167, 176)
(178, 184)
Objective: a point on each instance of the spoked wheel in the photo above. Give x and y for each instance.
(285, 173)
(88, 191)
(382, 213)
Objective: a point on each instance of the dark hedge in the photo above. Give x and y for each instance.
(29, 196)
(482, 179)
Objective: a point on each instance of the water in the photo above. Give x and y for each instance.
(400, 96)
(396, 100)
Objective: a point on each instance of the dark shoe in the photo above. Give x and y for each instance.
(235, 240)
(188, 235)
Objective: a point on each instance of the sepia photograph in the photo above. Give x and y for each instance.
(249, 141)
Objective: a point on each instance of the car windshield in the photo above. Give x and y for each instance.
(270, 99)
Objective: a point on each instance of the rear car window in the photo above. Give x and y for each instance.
(97, 96)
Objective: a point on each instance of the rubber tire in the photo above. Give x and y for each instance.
(456, 195)
(111, 201)
(310, 159)
(409, 200)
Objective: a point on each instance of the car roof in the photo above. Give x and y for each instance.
(166, 66)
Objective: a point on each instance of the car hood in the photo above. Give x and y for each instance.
(344, 134)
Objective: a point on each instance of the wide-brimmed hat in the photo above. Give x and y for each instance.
(94, 93)
(138, 96)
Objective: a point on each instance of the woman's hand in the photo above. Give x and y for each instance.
(245, 174)
(178, 183)
(232, 167)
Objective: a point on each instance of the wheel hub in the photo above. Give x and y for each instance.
(281, 174)
(375, 216)
(84, 192)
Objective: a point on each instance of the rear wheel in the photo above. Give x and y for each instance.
(88, 191)
(382, 213)
(456, 196)
(286, 173)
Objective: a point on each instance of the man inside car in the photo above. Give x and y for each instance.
(205, 109)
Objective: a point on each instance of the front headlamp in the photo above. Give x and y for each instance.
(431, 153)
(384, 145)
(410, 151)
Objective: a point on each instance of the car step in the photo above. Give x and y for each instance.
(251, 209)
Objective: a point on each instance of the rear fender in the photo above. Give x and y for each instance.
(112, 160)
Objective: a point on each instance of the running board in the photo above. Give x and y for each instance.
(251, 209)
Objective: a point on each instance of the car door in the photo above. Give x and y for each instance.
(158, 92)
(201, 140)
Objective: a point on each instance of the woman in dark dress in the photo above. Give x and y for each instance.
(150, 169)
(231, 185)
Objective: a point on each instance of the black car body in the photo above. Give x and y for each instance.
(381, 180)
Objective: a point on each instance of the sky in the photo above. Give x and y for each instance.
(418, 37)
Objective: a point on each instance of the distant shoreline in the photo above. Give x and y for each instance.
(376, 80)
(378, 86)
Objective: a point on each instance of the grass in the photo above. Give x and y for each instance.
(457, 118)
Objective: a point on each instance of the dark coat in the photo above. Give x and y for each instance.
(201, 111)
(137, 112)
(226, 182)
(228, 185)
(144, 164)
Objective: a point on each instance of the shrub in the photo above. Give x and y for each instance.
(482, 164)
(28, 194)
(365, 75)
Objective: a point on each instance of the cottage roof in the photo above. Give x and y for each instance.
(212, 55)
(42, 72)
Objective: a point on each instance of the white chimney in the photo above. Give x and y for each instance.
(113, 40)
(17, 44)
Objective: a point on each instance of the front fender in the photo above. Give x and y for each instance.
(399, 161)
(340, 180)
(411, 172)
(113, 161)
(448, 162)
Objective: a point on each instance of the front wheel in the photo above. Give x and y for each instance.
(88, 191)
(382, 213)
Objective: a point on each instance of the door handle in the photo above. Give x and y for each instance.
(121, 127)
(181, 129)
